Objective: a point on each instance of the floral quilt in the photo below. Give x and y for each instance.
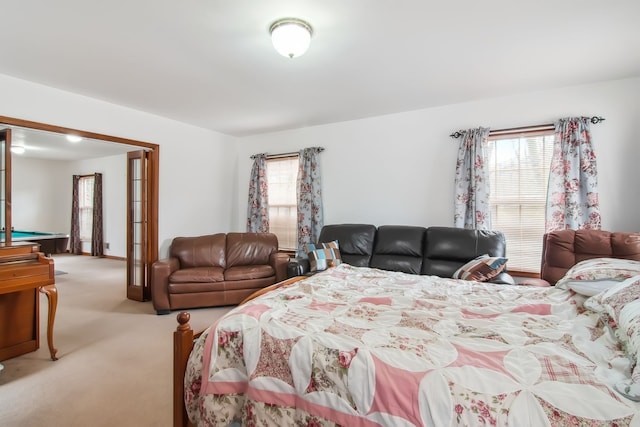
(364, 347)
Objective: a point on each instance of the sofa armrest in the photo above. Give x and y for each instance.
(534, 282)
(298, 267)
(503, 278)
(279, 262)
(160, 272)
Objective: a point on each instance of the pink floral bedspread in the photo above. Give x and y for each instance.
(363, 347)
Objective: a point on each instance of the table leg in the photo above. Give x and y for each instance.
(52, 295)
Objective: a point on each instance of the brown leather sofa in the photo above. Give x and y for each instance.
(215, 270)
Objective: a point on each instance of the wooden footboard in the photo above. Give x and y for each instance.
(182, 345)
(183, 338)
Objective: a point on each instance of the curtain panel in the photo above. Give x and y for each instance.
(572, 195)
(258, 206)
(471, 202)
(75, 244)
(97, 237)
(309, 193)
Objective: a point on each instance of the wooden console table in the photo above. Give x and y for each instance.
(24, 273)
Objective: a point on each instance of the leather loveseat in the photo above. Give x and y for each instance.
(215, 270)
(436, 251)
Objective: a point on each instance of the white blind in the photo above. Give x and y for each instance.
(85, 195)
(282, 174)
(519, 174)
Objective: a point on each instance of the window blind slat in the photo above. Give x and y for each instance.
(518, 173)
(282, 173)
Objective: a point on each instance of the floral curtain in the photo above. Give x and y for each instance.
(310, 219)
(97, 239)
(572, 195)
(75, 244)
(471, 204)
(258, 207)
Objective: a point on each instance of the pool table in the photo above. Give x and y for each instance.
(50, 243)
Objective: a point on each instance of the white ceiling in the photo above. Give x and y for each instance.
(55, 146)
(211, 64)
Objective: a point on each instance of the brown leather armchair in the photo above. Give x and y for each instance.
(563, 249)
(215, 270)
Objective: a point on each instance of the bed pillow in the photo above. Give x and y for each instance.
(590, 288)
(481, 269)
(323, 255)
(619, 307)
(600, 269)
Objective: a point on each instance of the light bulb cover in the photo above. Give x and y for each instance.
(17, 149)
(291, 37)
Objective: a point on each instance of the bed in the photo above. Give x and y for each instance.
(366, 347)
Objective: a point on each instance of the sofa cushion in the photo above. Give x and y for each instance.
(449, 248)
(247, 272)
(201, 251)
(323, 255)
(399, 248)
(197, 275)
(250, 248)
(355, 241)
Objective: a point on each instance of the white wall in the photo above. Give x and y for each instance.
(39, 200)
(41, 196)
(395, 169)
(399, 169)
(195, 164)
(114, 199)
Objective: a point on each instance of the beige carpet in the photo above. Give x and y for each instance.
(115, 355)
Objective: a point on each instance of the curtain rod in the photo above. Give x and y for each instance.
(548, 126)
(279, 155)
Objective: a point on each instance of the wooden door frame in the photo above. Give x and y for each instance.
(153, 173)
(6, 182)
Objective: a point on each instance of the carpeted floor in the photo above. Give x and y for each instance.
(115, 355)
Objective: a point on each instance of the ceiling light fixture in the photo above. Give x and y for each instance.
(17, 149)
(74, 138)
(291, 36)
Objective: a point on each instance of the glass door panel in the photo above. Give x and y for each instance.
(137, 225)
(5, 186)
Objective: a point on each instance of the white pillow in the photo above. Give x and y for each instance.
(590, 287)
(597, 269)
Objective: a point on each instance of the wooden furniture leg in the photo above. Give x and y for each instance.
(52, 296)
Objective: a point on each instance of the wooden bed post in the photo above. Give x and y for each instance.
(182, 345)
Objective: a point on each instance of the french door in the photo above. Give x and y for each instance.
(141, 245)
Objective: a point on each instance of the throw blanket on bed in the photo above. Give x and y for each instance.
(364, 347)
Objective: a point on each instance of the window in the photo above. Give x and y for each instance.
(85, 204)
(282, 173)
(519, 173)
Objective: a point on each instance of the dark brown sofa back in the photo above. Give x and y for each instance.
(355, 240)
(399, 248)
(449, 248)
(563, 249)
(437, 251)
